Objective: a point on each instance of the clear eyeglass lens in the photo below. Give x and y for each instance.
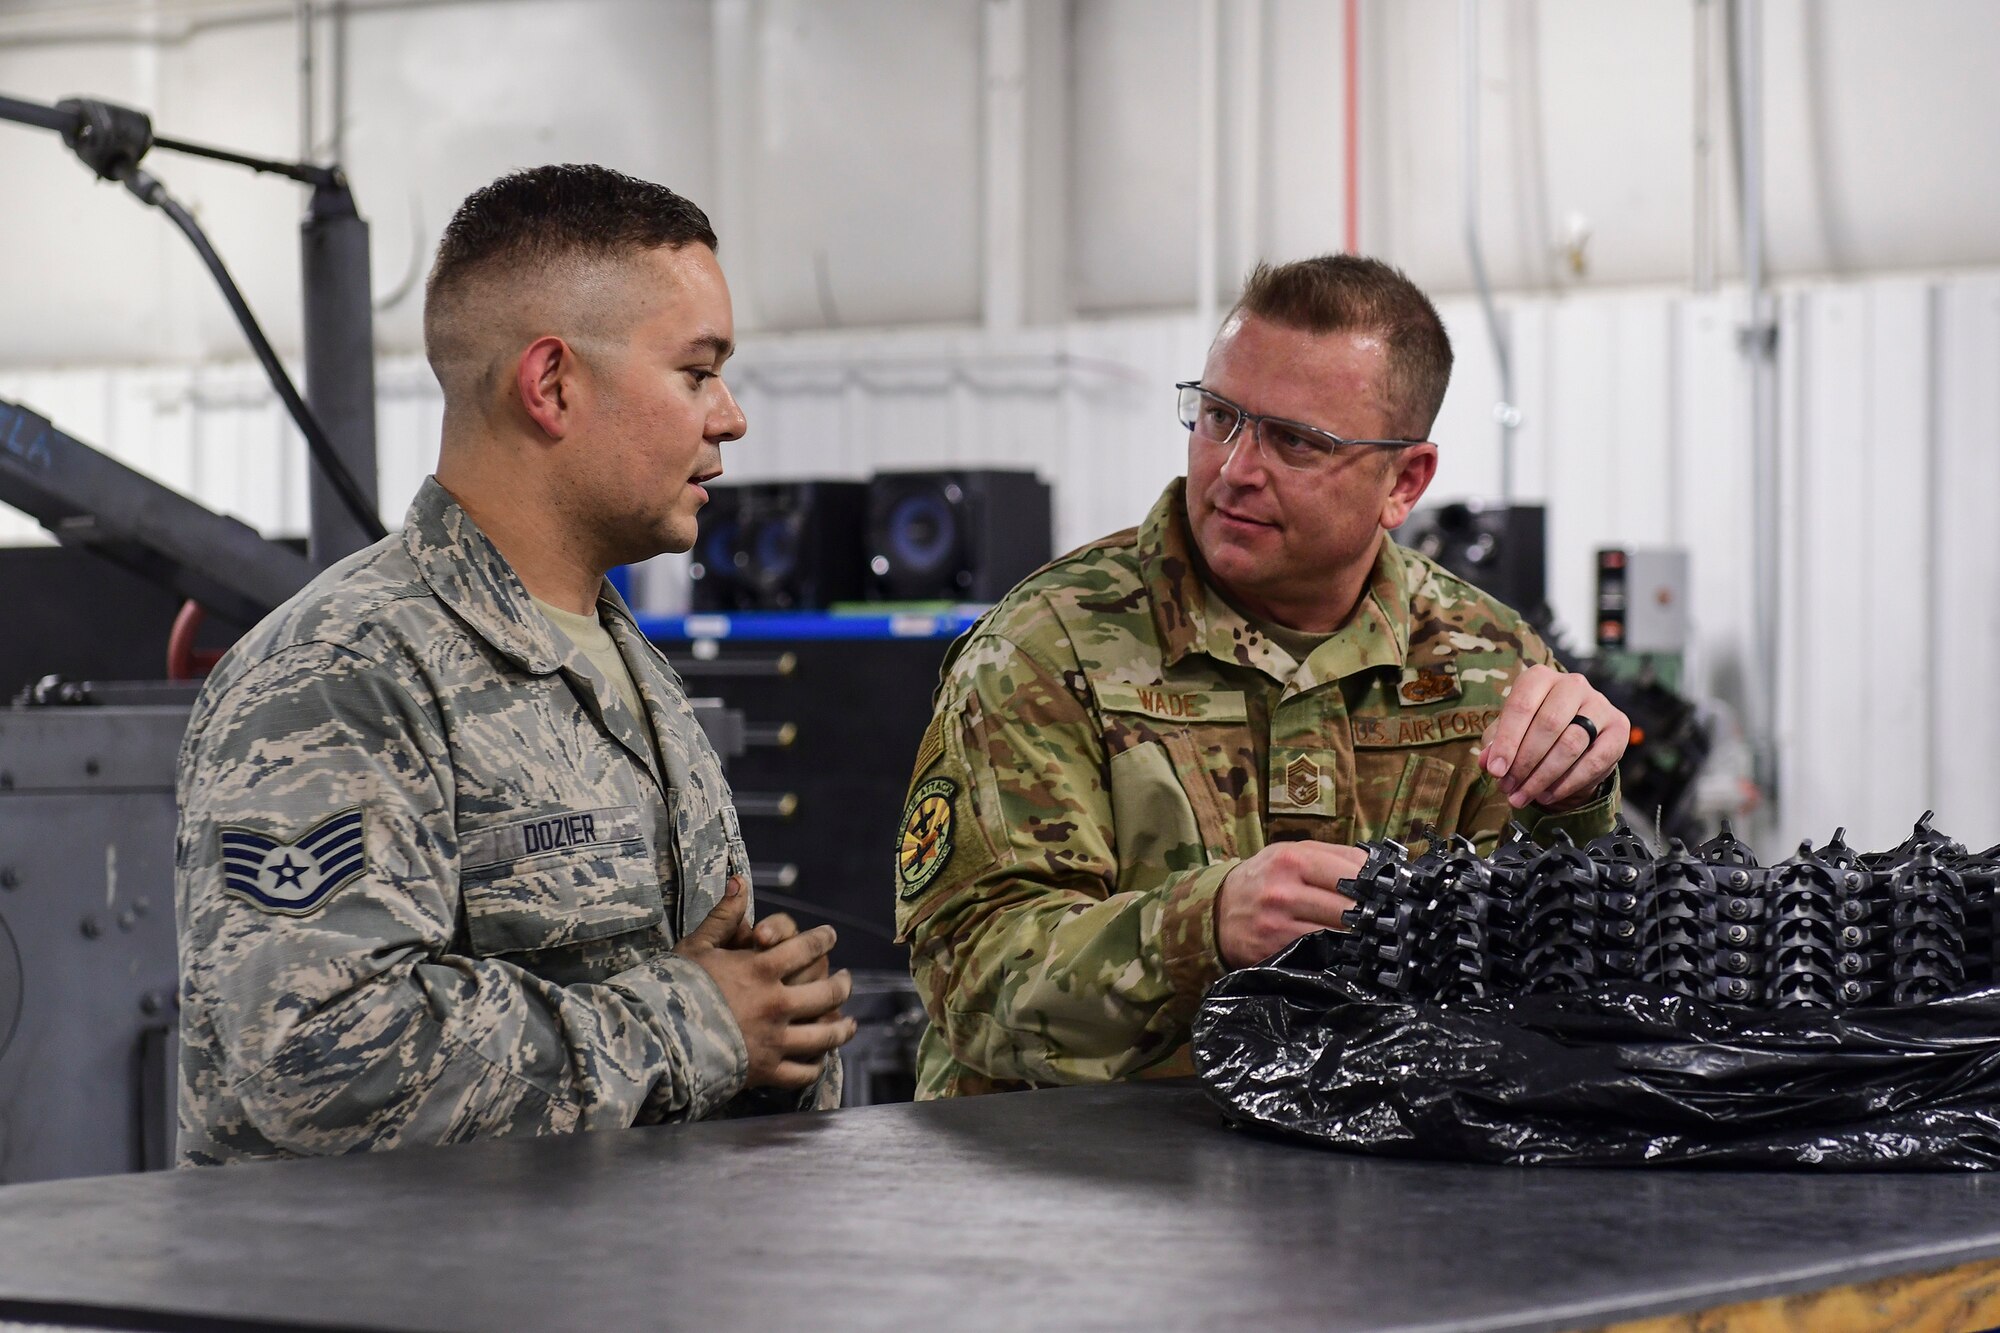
(1290, 446)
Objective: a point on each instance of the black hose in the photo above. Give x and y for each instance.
(336, 472)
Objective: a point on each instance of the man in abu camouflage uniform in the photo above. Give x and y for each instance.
(455, 860)
(1152, 760)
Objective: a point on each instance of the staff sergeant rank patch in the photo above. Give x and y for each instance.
(293, 878)
(927, 827)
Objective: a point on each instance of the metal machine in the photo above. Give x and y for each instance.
(87, 769)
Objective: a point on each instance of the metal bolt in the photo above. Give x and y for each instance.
(1739, 878)
(1626, 874)
(92, 927)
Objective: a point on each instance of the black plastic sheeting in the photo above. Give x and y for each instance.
(1620, 1075)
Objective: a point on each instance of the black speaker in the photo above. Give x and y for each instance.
(1502, 550)
(962, 536)
(779, 546)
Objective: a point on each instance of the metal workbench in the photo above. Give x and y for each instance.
(1113, 1207)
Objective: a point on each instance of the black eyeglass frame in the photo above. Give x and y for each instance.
(1334, 443)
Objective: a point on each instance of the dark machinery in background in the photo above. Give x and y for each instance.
(835, 705)
(87, 758)
(1641, 634)
(960, 536)
(833, 710)
(779, 546)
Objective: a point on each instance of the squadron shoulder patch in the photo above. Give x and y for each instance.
(927, 829)
(293, 878)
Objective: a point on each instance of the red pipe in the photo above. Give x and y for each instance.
(184, 660)
(1352, 19)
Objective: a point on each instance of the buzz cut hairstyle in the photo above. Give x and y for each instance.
(529, 221)
(1352, 294)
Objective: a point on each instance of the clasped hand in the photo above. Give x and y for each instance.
(775, 979)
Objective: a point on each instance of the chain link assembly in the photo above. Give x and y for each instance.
(1828, 928)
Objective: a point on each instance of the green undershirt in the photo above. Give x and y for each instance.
(595, 643)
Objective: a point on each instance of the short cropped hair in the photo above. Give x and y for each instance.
(533, 237)
(554, 213)
(1348, 294)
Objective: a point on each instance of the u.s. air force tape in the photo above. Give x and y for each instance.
(927, 828)
(293, 878)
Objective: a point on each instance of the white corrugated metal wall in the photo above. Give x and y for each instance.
(1635, 431)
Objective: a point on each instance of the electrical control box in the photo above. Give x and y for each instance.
(1642, 602)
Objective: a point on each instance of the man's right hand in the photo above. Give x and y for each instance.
(788, 1028)
(1280, 894)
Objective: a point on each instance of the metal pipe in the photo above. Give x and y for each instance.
(1704, 153)
(1207, 172)
(1759, 342)
(339, 320)
(1245, 151)
(1351, 138)
(1504, 412)
(304, 21)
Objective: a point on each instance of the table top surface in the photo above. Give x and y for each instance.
(1079, 1208)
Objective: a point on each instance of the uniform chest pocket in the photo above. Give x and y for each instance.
(1178, 758)
(555, 878)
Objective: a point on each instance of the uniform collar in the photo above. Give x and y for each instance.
(1190, 616)
(469, 575)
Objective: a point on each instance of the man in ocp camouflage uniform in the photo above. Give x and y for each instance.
(1153, 759)
(455, 860)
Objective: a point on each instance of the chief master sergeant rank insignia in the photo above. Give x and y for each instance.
(293, 878)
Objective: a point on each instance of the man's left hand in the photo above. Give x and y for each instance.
(1540, 753)
(775, 930)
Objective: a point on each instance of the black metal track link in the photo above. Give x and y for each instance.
(1827, 928)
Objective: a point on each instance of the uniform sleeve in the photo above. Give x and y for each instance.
(349, 1022)
(1030, 963)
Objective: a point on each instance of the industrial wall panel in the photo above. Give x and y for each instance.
(1823, 705)
(1121, 442)
(1712, 472)
(1966, 643)
(1897, 480)
(1608, 443)
(1466, 434)
(1635, 428)
(409, 425)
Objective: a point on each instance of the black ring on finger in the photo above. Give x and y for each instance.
(1589, 729)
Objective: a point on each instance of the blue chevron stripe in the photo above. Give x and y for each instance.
(332, 851)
